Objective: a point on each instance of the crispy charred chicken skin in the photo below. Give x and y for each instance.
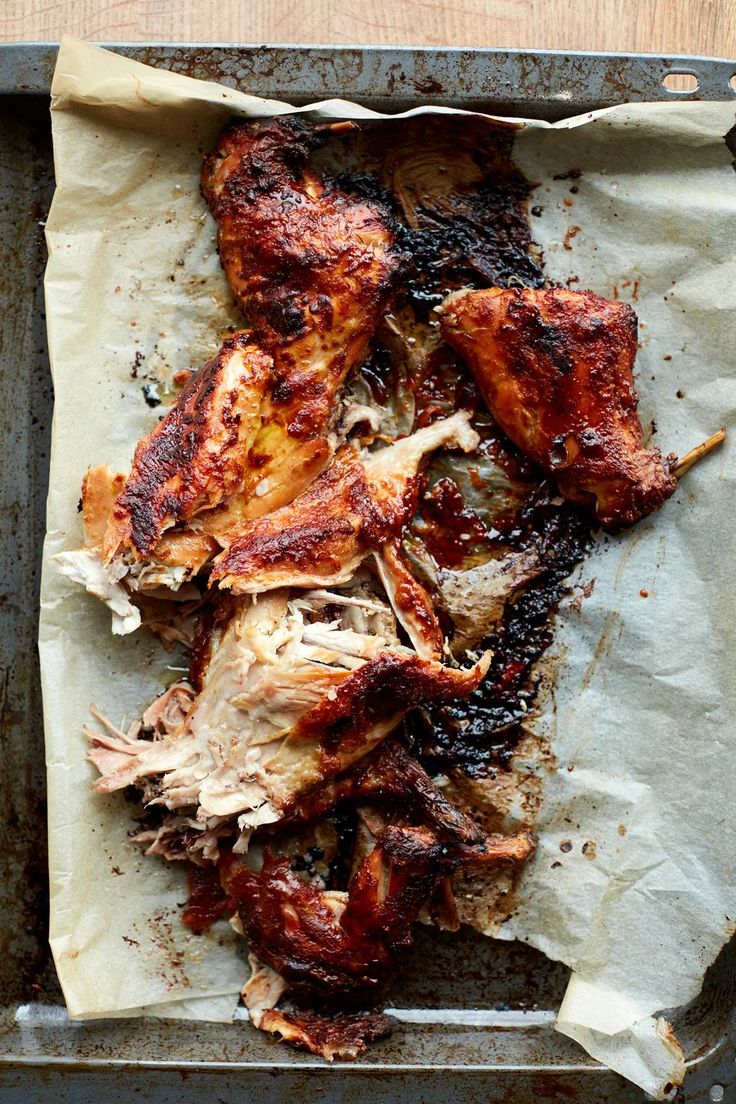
(313, 270)
(138, 530)
(338, 949)
(556, 370)
(198, 456)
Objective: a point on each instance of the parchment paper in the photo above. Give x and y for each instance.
(632, 885)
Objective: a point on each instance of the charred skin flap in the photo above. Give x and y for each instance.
(556, 370)
(313, 269)
(337, 951)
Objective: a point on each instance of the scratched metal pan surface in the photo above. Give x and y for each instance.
(475, 1017)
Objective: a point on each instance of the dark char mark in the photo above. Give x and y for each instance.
(481, 732)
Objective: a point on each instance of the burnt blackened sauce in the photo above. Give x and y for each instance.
(479, 237)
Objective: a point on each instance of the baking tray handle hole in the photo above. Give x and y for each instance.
(681, 80)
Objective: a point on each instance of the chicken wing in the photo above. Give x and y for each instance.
(313, 270)
(556, 370)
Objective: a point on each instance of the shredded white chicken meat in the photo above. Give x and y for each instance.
(236, 752)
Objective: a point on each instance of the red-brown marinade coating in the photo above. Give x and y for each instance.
(382, 689)
(207, 902)
(333, 961)
(313, 269)
(340, 951)
(328, 529)
(555, 368)
(196, 457)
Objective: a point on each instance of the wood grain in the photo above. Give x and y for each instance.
(659, 26)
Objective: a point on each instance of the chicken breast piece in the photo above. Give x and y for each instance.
(313, 270)
(251, 430)
(138, 536)
(555, 368)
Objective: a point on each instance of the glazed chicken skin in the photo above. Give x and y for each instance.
(155, 528)
(555, 368)
(197, 457)
(313, 270)
(288, 700)
(337, 949)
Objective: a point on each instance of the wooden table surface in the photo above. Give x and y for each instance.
(659, 26)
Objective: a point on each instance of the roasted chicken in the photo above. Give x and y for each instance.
(329, 945)
(338, 948)
(138, 531)
(556, 370)
(357, 508)
(313, 270)
(291, 696)
(285, 771)
(198, 457)
(288, 696)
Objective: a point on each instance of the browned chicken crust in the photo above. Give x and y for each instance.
(358, 507)
(556, 370)
(313, 270)
(375, 697)
(390, 774)
(197, 457)
(344, 1035)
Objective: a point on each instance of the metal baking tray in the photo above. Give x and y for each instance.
(476, 1017)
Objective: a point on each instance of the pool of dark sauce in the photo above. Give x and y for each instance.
(460, 210)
